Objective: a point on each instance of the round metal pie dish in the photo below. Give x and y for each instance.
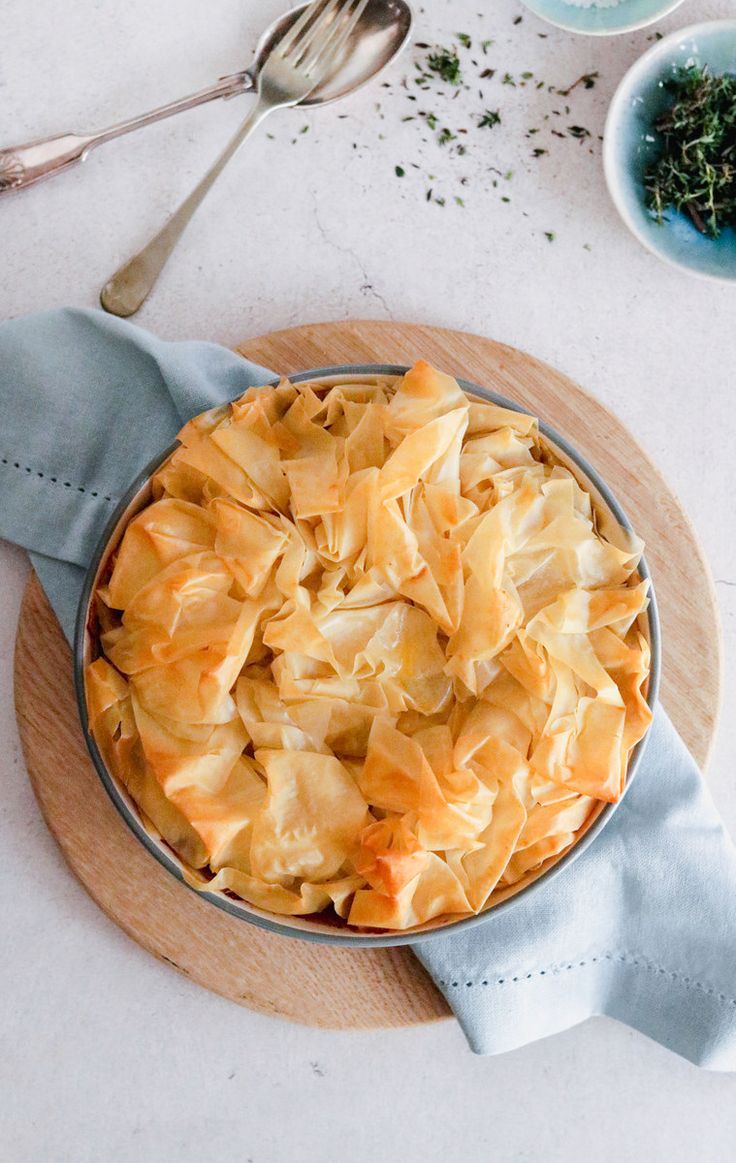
(317, 928)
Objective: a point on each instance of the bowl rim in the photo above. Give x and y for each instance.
(347, 938)
(633, 26)
(611, 170)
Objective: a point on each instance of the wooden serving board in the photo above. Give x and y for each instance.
(316, 984)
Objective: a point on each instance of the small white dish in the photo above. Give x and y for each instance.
(603, 19)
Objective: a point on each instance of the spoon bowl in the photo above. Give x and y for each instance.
(379, 36)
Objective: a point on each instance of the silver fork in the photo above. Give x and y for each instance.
(297, 64)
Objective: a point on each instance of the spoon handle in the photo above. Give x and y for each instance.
(24, 165)
(131, 284)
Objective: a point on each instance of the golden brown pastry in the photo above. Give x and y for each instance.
(370, 648)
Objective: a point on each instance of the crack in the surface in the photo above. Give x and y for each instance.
(367, 285)
(722, 581)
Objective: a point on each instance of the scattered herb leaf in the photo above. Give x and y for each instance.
(588, 80)
(490, 118)
(446, 63)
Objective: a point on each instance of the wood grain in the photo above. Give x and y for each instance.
(322, 985)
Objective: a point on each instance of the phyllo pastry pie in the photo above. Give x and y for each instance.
(371, 648)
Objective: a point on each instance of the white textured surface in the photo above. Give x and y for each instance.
(106, 1053)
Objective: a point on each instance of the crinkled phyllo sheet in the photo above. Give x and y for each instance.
(370, 648)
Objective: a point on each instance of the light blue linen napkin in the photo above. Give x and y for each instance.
(642, 927)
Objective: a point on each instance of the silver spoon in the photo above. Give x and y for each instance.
(384, 29)
(327, 32)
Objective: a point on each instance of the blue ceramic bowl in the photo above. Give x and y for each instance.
(625, 16)
(315, 929)
(630, 147)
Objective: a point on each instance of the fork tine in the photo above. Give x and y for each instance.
(321, 27)
(335, 27)
(299, 26)
(327, 51)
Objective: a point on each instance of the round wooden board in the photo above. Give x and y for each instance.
(316, 984)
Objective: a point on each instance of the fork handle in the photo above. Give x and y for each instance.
(131, 284)
(24, 165)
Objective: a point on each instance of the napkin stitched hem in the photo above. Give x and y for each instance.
(633, 960)
(15, 464)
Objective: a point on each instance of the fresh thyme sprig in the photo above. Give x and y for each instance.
(696, 172)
